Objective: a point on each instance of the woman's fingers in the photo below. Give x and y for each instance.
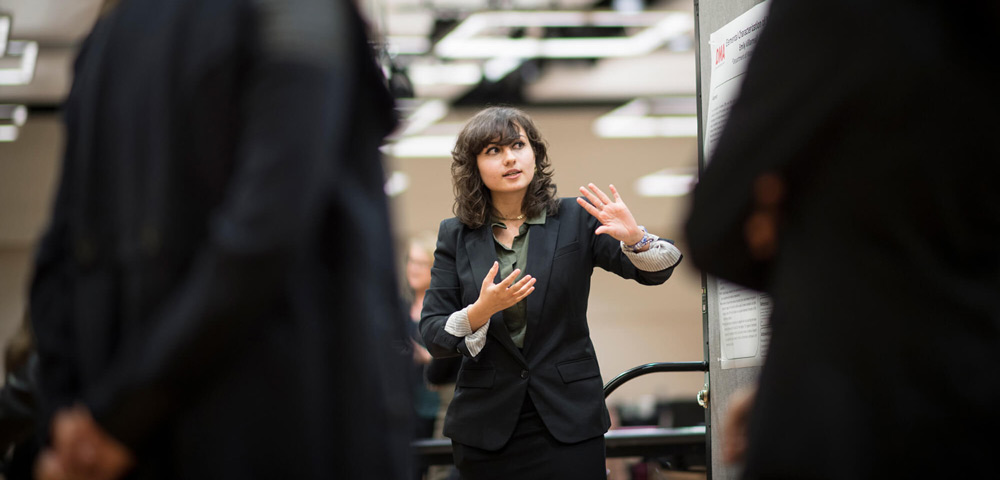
(600, 194)
(525, 293)
(527, 281)
(589, 208)
(490, 275)
(519, 290)
(522, 289)
(614, 191)
(506, 283)
(594, 201)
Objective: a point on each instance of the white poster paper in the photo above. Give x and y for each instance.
(744, 314)
(730, 47)
(744, 325)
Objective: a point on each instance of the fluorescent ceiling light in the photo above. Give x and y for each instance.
(468, 40)
(666, 183)
(8, 133)
(397, 183)
(496, 68)
(423, 116)
(14, 115)
(646, 127)
(445, 73)
(650, 117)
(424, 146)
(408, 44)
(4, 33)
(22, 56)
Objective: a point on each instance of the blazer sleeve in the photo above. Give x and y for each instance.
(293, 121)
(444, 297)
(442, 371)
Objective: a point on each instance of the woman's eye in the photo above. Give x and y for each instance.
(492, 150)
(518, 145)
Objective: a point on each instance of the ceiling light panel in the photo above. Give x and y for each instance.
(17, 66)
(13, 115)
(422, 146)
(12, 118)
(471, 39)
(666, 183)
(4, 33)
(8, 133)
(650, 117)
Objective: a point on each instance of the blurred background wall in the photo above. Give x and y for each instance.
(611, 85)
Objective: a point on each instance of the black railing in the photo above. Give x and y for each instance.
(653, 368)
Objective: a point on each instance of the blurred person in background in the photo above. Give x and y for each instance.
(509, 291)
(419, 257)
(219, 257)
(437, 375)
(855, 181)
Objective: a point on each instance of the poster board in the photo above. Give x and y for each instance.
(736, 319)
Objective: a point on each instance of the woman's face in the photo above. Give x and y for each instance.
(418, 268)
(507, 169)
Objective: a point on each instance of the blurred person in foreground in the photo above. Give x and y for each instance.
(219, 254)
(855, 181)
(19, 405)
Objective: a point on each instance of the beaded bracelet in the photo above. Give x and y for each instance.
(646, 240)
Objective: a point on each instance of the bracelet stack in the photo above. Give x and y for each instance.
(646, 240)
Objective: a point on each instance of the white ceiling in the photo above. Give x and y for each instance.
(60, 25)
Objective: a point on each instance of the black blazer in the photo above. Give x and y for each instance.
(219, 255)
(558, 366)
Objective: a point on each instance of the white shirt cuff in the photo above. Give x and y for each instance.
(458, 325)
(660, 255)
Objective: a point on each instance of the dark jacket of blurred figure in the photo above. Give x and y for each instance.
(19, 406)
(219, 257)
(880, 118)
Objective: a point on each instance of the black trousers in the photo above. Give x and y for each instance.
(533, 454)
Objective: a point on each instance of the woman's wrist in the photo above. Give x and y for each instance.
(642, 244)
(636, 236)
(477, 317)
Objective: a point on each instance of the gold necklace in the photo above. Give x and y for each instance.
(519, 217)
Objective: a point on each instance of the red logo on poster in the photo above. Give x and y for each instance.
(720, 54)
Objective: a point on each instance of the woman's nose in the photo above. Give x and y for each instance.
(508, 155)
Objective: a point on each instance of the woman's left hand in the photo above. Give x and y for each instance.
(616, 219)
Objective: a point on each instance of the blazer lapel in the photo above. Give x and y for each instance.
(482, 254)
(541, 250)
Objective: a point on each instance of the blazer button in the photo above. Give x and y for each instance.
(524, 374)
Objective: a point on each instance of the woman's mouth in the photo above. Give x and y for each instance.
(511, 173)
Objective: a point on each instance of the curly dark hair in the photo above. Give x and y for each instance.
(498, 126)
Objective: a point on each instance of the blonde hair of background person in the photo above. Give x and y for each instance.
(419, 260)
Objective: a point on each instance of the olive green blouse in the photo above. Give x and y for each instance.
(511, 258)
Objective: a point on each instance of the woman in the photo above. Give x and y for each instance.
(509, 292)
